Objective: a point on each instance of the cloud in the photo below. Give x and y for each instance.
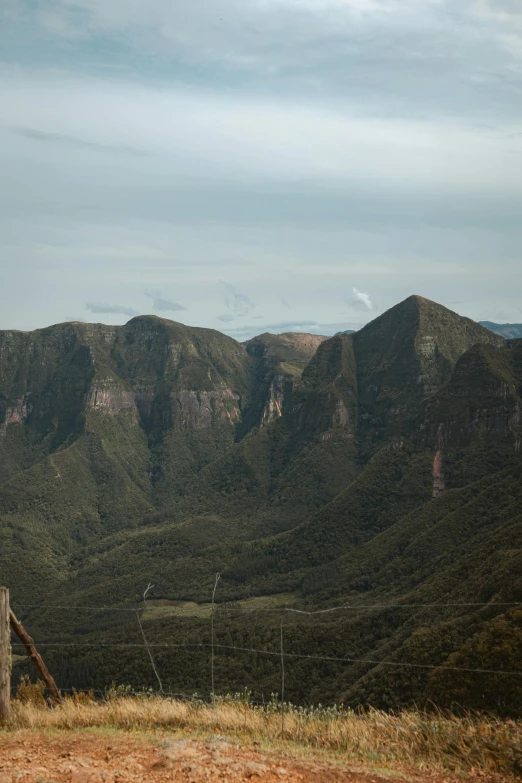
(237, 302)
(285, 302)
(72, 141)
(104, 307)
(226, 318)
(361, 298)
(163, 305)
(397, 55)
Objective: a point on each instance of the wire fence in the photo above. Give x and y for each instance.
(281, 652)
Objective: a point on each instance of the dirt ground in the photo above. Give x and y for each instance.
(28, 757)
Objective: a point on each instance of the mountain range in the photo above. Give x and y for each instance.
(379, 471)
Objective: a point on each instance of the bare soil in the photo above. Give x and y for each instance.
(90, 757)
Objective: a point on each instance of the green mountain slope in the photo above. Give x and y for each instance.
(380, 469)
(101, 427)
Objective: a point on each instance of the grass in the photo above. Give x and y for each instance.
(159, 609)
(429, 742)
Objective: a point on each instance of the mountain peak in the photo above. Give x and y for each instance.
(420, 300)
(420, 314)
(407, 353)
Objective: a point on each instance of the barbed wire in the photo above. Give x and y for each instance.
(194, 648)
(88, 608)
(395, 606)
(303, 656)
(456, 605)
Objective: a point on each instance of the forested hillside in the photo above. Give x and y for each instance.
(380, 470)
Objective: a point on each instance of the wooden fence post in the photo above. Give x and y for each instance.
(36, 658)
(5, 656)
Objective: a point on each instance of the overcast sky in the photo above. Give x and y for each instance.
(255, 165)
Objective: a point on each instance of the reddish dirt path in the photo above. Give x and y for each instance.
(76, 757)
(91, 758)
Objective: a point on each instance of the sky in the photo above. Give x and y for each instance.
(259, 165)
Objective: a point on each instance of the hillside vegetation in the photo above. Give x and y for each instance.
(380, 469)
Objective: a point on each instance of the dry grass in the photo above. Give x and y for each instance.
(161, 608)
(430, 742)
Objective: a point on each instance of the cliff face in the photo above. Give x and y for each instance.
(180, 391)
(277, 362)
(162, 374)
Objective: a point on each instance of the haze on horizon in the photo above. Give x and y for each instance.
(275, 165)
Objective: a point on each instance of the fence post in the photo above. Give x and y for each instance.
(35, 657)
(5, 656)
(282, 685)
(218, 577)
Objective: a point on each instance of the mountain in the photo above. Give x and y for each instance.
(379, 469)
(101, 426)
(510, 331)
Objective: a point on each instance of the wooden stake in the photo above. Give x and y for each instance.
(36, 658)
(282, 686)
(5, 656)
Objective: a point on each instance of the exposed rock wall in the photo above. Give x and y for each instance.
(439, 485)
(276, 399)
(202, 409)
(14, 414)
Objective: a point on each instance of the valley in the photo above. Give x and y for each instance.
(378, 471)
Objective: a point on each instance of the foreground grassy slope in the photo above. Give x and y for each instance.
(426, 744)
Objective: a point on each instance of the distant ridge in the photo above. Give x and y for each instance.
(509, 331)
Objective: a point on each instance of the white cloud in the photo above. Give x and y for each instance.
(362, 298)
